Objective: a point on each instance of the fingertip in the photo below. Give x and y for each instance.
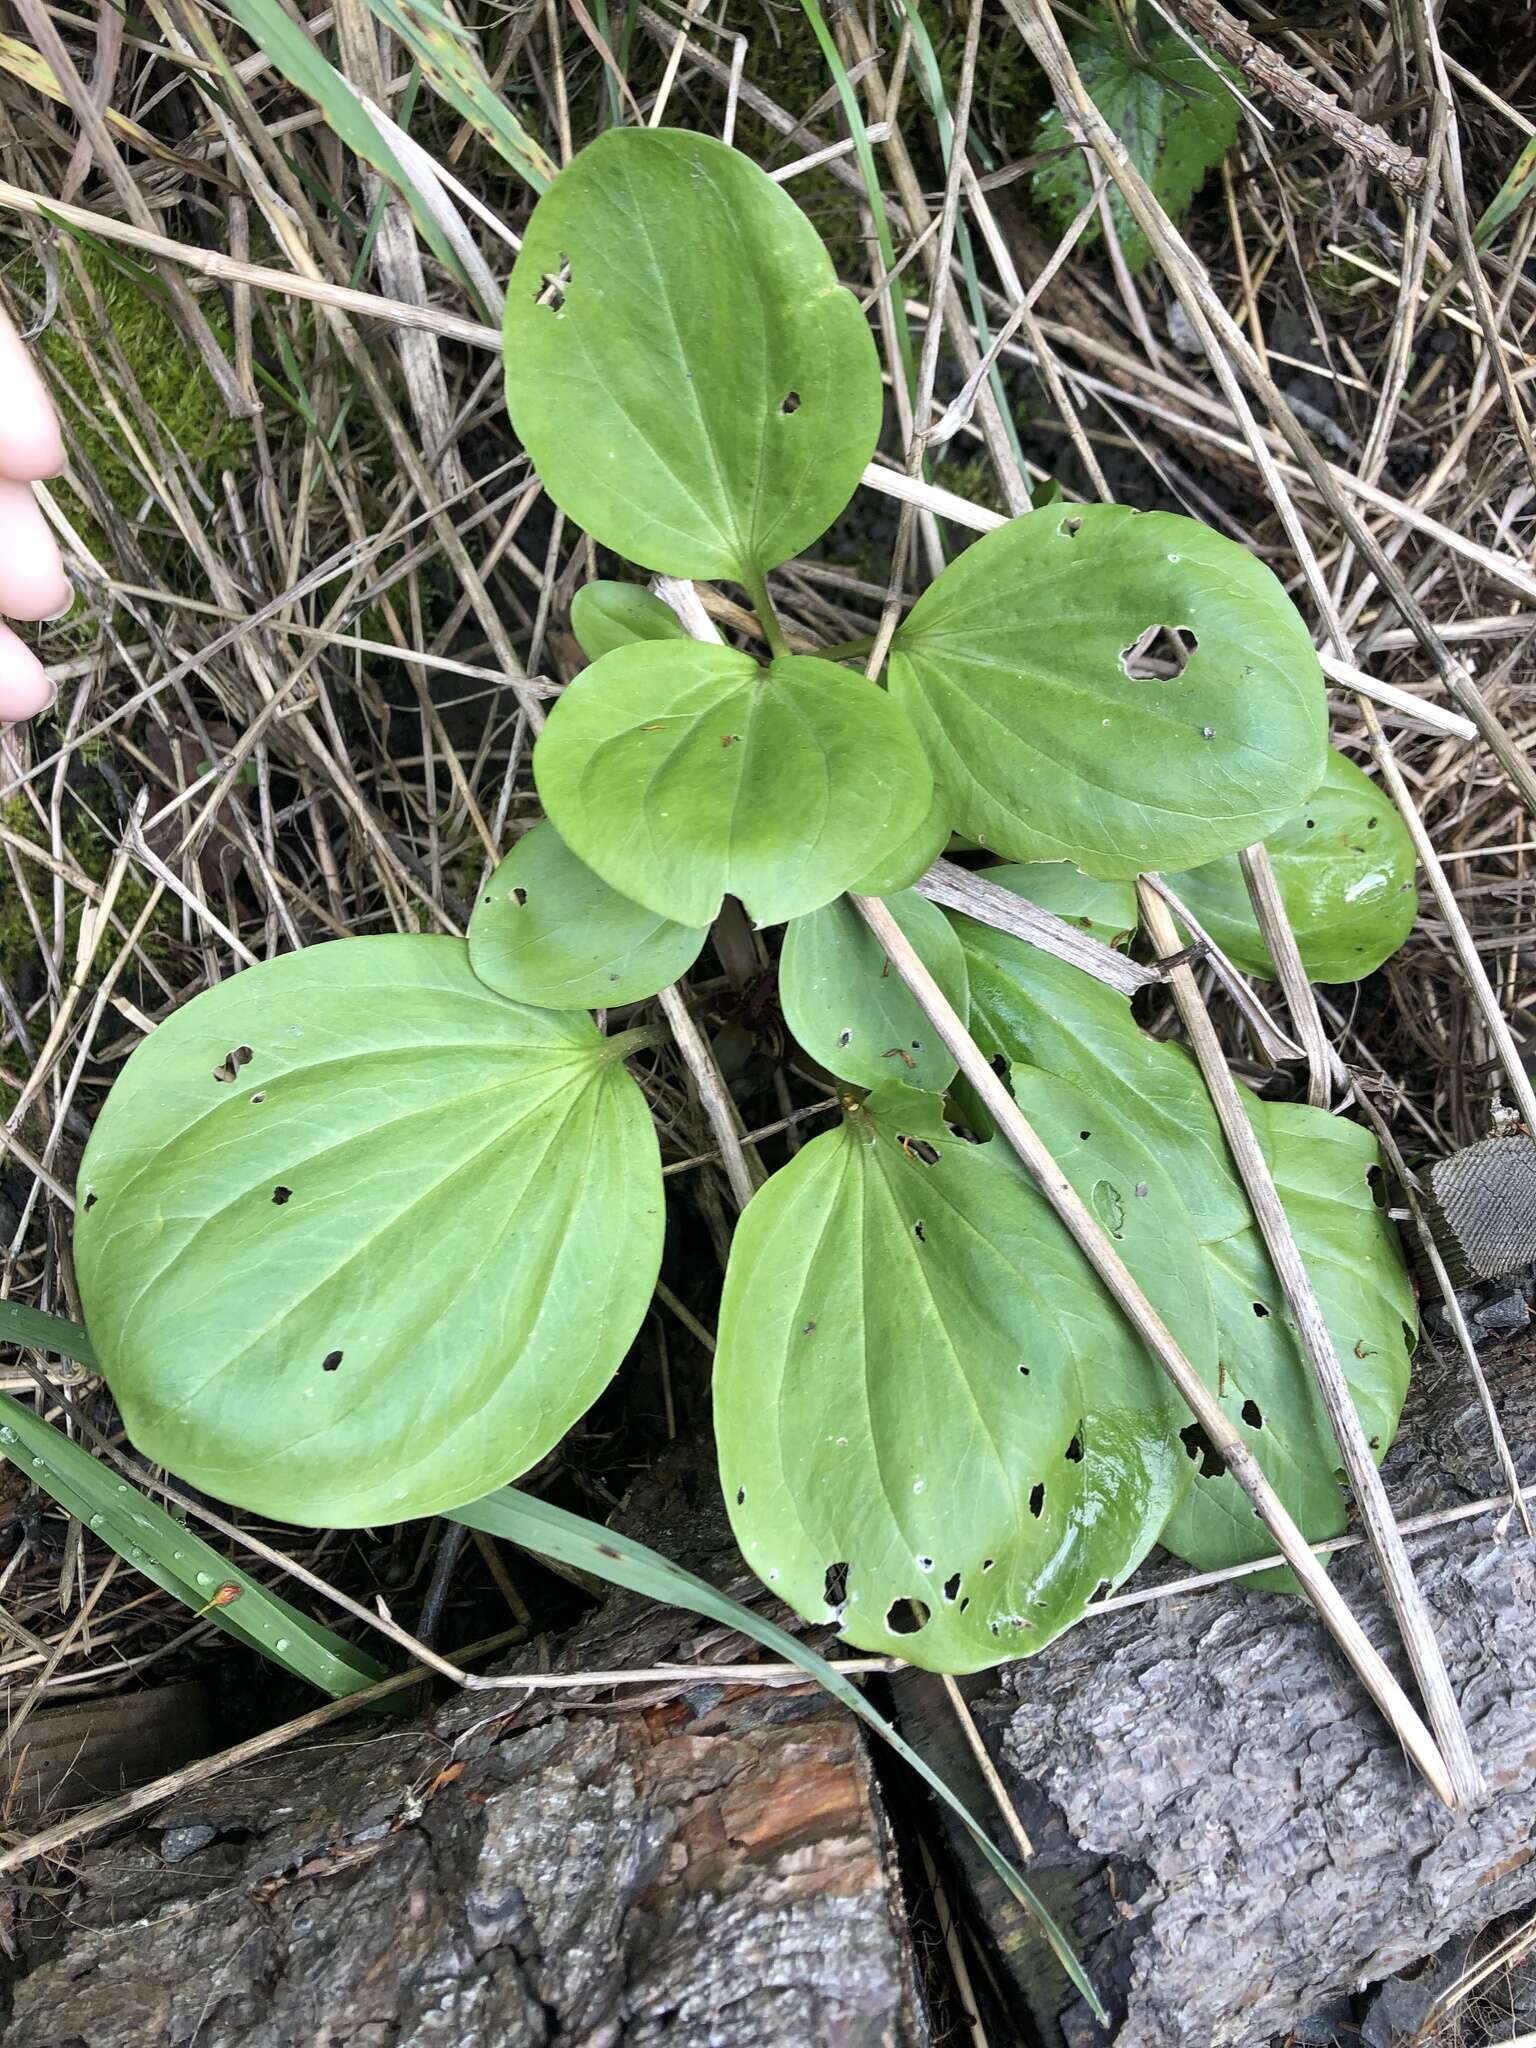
(33, 584)
(24, 686)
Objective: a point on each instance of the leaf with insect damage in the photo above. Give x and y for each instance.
(546, 930)
(358, 1239)
(1123, 690)
(849, 1007)
(934, 1426)
(692, 383)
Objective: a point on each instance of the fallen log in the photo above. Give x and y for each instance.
(1218, 1812)
(699, 1865)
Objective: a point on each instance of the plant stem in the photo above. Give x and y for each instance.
(756, 587)
(623, 1043)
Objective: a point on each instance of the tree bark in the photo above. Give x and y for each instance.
(1217, 1810)
(700, 1865)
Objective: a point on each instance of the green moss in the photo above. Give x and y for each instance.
(93, 852)
(174, 388)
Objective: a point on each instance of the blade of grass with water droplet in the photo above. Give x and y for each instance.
(549, 1531)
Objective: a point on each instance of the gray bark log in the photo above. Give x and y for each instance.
(1218, 1811)
(707, 1866)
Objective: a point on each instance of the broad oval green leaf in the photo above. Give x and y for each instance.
(1035, 1011)
(933, 1425)
(1106, 911)
(683, 774)
(849, 1008)
(913, 857)
(692, 383)
(609, 615)
(1018, 668)
(358, 1240)
(550, 932)
(1345, 865)
(1327, 1171)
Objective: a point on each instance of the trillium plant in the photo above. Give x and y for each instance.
(366, 1228)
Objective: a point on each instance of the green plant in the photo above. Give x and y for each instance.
(364, 1229)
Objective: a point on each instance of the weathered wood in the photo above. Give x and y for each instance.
(1218, 1811)
(700, 1866)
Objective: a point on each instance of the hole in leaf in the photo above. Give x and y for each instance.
(834, 1588)
(741, 1496)
(1370, 824)
(987, 1563)
(965, 1603)
(919, 1233)
(330, 1361)
(281, 1195)
(1376, 1181)
(906, 1617)
(518, 896)
(259, 1096)
(791, 402)
(1024, 1371)
(1311, 824)
(90, 1200)
(1070, 527)
(844, 1038)
(1037, 1499)
(1199, 1446)
(1074, 1450)
(1253, 1415)
(1158, 654)
(232, 1062)
(552, 285)
(924, 1564)
(1085, 1136)
(952, 1586)
(918, 1148)
(1260, 1310)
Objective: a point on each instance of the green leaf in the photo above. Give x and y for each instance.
(548, 931)
(1013, 668)
(683, 773)
(852, 1011)
(34, 1330)
(175, 1559)
(608, 1554)
(452, 66)
(1106, 911)
(1030, 1009)
(699, 393)
(1174, 115)
(1037, 1011)
(913, 857)
(923, 1395)
(1345, 865)
(609, 615)
(1326, 1170)
(358, 1238)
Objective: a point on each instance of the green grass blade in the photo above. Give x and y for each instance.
(853, 114)
(1511, 195)
(451, 65)
(572, 1540)
(145, 1536)
(304, 66)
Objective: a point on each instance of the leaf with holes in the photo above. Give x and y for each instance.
(849, 1008)
(1345, 865)
(609, 615)
(1172, 111)
(1106, 911)
(1034, 1011)
(358, 1239)
(682, 774)
(1055, 732)
(933, 1425)
(548, 931)
(1327, 1171)
(1030, 1009)
(693, 385)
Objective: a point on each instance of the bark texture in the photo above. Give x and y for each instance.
(1219, 1811)
(707, 1866)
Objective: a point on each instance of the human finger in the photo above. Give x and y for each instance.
(24, 686)
(32, 580)
(31, 446)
